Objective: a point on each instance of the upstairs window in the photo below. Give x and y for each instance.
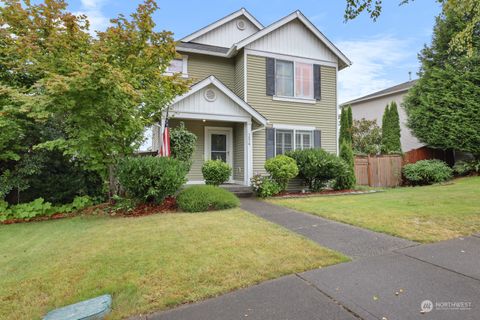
(177, 66)
(293, 79)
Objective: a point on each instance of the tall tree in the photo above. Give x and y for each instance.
(385, 129)
(395, 143)
(344, 134)
(99, 92)
(350, 123)
(443, 107)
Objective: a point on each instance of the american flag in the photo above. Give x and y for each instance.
(164, 150)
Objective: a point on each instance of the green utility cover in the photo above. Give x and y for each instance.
(92, 309)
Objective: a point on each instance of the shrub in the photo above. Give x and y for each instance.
(204, 198)
(150, 179)
(426, 172)
(346, 173)
(282, 168)
(316, 166)
(345, 178)
(216, 172)
(182, 143)
(40, 208)
(366, 136)
(264, 186)
(467, 167)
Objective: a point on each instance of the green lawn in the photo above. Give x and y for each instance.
(424, 214)
(147, 263)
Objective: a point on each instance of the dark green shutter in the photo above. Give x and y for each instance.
(270, 76)
(270, 143)
(317, 139)
(317, 83)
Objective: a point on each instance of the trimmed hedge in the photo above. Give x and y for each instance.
(205, 198)
(150, 179)
(216, 172)
(426, 172)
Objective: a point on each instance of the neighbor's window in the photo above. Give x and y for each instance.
(284, 78)
(176, 66)
(283, 141)
(293, 79)
(303, 140)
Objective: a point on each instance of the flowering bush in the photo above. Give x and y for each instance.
(264, 186)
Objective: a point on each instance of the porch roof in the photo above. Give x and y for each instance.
(213, 81)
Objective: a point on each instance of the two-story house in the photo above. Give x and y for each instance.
(257, 91)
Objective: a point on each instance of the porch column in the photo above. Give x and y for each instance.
(248, 157)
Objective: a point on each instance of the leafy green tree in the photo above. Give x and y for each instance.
(367, 137)
(443, 107)
(101, 92)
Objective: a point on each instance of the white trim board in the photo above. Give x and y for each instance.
(292, 127)
(280, 56)
(222, 21)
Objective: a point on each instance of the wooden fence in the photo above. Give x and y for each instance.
(379, 171)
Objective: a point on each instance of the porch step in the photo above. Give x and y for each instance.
(238, 190)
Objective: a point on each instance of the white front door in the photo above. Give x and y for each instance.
(219, 144)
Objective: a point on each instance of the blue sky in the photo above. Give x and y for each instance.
(382, 52)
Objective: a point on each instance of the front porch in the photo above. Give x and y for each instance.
(222, 122)
(223, 140)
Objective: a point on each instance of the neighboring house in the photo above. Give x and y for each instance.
(372, 107)
(258, 91)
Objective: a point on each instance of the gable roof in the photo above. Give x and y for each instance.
(187, 46)
(274, 26)
(402, 87)
(222, 21)
(229, 93)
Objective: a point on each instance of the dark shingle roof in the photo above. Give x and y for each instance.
(398, 88)
(203, 47)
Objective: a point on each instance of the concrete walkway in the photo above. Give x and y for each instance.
(389, 278)
(352, 241)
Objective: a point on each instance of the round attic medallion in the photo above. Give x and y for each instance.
(241, 25)
(210, 95)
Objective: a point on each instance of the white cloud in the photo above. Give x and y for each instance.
(373, 60)
(93, 10)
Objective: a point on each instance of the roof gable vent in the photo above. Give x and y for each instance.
(241, 24)
(210, 95)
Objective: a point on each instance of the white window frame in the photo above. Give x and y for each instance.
(184, 59)
(294, 130)
(303, 133)
(294, 98)
(293, 139)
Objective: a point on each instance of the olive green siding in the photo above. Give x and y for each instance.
(259, 155)
(198, 128)
(239, 75)
(321, 115)
(201, 66)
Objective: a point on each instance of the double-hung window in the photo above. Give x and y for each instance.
(293, 79)
(178, 66)
(283, 141)
(288, 140)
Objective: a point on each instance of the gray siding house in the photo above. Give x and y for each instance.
(257, 91)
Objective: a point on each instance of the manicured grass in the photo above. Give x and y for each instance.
(424, 214)
(147, 263)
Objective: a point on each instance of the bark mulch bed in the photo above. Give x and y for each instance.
(287, 194)
(168, 206)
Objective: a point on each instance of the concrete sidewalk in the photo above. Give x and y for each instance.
(388, 279)
(352, 241)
